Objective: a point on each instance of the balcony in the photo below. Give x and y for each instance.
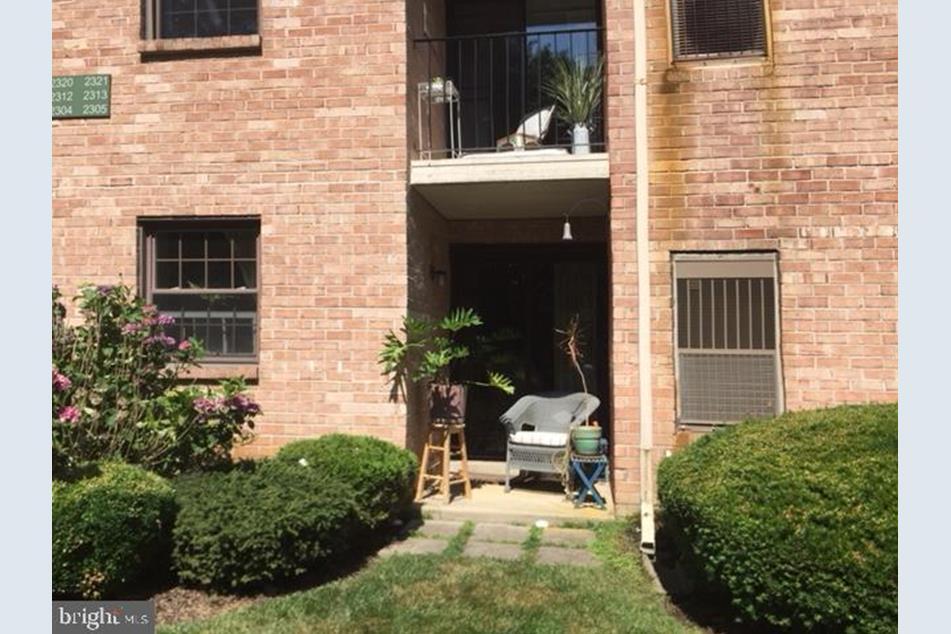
(488, 128)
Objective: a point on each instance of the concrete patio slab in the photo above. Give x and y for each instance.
(558, 556)
(493, 551)
(526, 503)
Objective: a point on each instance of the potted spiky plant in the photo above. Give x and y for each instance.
(576, 89)
(424, 352)
(586, 438)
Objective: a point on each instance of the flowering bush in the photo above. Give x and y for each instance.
(117, 392)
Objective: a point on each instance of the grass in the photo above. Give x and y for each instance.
(458, 542)
(532, 543)
(460, 595)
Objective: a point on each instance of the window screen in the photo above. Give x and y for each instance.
(726, 338)
(717, 28)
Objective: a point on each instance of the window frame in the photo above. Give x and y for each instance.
(146, 273)
(688, 61)
(737, 264)
(151, 23)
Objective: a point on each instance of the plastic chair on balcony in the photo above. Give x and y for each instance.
(529, 132)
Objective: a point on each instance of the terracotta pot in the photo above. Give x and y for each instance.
(447, 403)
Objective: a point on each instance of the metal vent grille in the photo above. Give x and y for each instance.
(727, 337)
(726, 313)
(717, 28)
(717, 388)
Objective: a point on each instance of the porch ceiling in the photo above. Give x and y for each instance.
(507, 189)
(511, 199)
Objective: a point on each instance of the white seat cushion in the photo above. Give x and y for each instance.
(540, 438)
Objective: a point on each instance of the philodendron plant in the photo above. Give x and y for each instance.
(425, 349)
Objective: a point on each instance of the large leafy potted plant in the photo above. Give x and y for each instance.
(424, 352)
(586, 438)
(576, 89)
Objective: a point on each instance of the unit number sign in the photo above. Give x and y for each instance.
(78, 96)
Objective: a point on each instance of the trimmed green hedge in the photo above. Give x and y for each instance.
(258, 524)
(381, 474)
(110, 528)
(795, 518)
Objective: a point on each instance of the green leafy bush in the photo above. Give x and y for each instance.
(117, 391)
(380, 473)
(257, 524)
(110, 528)
(795, 518)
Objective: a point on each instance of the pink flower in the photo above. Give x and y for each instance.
(206, 406)
(245, 405)
(165, 340)
(165, 320)
(184, 344)
(61, 382)
(68, 414)
(131, 328)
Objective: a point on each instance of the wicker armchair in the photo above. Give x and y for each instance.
(550, 418)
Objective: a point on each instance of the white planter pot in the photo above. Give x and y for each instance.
(579, 140)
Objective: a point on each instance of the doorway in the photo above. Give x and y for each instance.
(524, 293)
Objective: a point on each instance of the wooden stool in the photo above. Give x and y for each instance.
(439, 443)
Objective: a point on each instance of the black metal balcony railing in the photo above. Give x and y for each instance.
(474, 91)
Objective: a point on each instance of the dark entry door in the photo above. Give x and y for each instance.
(524, 293)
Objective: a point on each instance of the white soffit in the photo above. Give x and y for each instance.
(514, 185)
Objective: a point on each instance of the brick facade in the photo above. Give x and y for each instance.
(314, 132)
(310, 135)
(798, 155)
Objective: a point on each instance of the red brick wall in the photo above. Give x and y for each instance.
(799, 155)
(310, 135)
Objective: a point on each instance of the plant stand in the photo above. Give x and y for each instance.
(437, 454)
(448, 94)
(599, 472)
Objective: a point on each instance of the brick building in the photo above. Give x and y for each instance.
(289, 177)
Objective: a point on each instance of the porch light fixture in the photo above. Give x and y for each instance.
(566, 230)
(438, 275)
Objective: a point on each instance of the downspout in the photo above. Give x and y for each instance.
(641, 203)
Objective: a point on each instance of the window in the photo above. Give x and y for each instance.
(198, 18)
(204, 273)
(726, 335)
(702, 29)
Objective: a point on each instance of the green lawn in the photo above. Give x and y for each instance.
(447, 593)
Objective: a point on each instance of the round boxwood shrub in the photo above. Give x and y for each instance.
(795, 519)
(111, 527)
(381, 474)
(258, 524)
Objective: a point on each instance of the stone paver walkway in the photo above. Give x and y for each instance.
(499, 533)
(492, 550)
(556, 546)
